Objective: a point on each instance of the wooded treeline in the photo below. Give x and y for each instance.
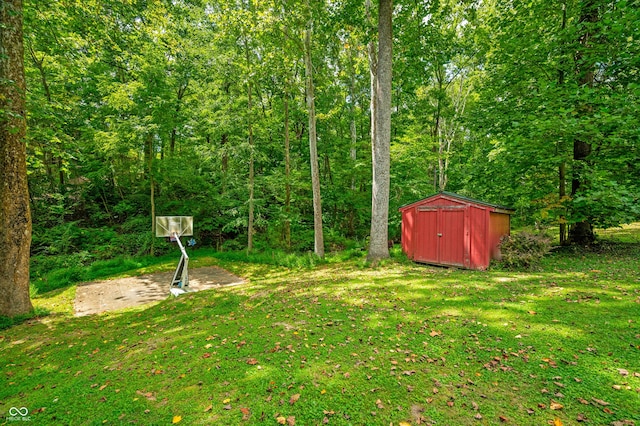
(177, 107)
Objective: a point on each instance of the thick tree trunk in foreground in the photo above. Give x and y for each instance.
(378, 243)
(15, 216)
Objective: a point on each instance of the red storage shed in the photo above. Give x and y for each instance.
(448, 229)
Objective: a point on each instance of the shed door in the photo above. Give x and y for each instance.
(451, 237)
(440, 235)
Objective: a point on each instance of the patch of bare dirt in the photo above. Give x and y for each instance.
(111, 295)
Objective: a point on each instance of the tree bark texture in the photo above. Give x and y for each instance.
(379, 236)
(15, 215)
(313, 148)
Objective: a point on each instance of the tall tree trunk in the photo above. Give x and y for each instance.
(251, 172)
(379, 237)
(562, 168)
(15, 215)
(562, 193)
(352, 116)
(582, 232)
(152, 191)
(318, 246)
(287, 173)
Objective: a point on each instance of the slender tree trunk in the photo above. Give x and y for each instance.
(582, 232)
(313, 145)
(562, 193)
(15, 216)
(352, 116)
(152, 192)
(250, 222)
(379, 237)
(562, 168)
(251, 173)
(287, 173)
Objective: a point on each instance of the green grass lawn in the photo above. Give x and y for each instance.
(341, 343)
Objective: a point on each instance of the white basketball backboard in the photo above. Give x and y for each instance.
(167, 226)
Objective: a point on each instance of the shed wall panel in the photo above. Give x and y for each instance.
(478, 224)
(408, 232)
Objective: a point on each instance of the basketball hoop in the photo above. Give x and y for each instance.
(174, 227)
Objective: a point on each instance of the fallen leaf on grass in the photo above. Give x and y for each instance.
(176, 419)
(503, 419)
(281, 420)
(208, 408)
(245, 413)
(478, 416)
(581, 418)
(291, 421)
(557, 422)
(252, 361)
(600, 402)
(148, 395)
(555, 405)
(379, 404)
(623, 372)
(434, 333)
(294, 398)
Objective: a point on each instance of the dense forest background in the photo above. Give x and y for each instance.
(177, 107)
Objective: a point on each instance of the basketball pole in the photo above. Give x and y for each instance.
(181, 276)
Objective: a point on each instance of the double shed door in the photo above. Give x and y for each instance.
(441, 236)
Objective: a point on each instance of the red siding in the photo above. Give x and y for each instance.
(447, 230)
(478, 236)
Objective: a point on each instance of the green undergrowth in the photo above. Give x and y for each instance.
(343, 343)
